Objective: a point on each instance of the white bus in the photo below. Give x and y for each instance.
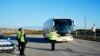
(64, 28)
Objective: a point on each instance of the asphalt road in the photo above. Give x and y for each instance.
(38, 46)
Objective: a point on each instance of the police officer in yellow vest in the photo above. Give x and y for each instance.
(18, 37)
(22, 41)
(52, 37)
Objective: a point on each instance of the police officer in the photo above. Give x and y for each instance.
(21, 41)
(52, 37)
(18, 37)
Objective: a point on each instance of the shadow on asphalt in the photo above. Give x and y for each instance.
(45, 49)
(32, 39)
(66, 50)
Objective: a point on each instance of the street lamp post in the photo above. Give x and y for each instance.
(94, 31)
(85, 24)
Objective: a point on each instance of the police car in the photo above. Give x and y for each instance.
(6, 44)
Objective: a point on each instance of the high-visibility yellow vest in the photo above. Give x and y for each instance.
(53, 36)
(18, 34)
(21, 36)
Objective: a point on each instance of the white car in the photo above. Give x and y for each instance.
(6, 44)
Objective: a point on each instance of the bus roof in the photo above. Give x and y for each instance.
(62, 20)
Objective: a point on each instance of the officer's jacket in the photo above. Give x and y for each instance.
(20, 35)
(53, 36)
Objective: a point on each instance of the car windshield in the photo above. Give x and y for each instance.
(2, 37)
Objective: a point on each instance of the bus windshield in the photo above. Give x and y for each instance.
(63, 27)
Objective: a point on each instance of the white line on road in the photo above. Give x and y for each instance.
(16, 52)
(66, 54)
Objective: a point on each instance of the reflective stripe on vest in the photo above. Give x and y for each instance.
(22, 38)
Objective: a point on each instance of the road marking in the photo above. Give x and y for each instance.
(16, 53)
(66, 54)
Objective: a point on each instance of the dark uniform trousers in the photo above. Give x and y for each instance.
(19, 44)
(53, 44)
(22, 48)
